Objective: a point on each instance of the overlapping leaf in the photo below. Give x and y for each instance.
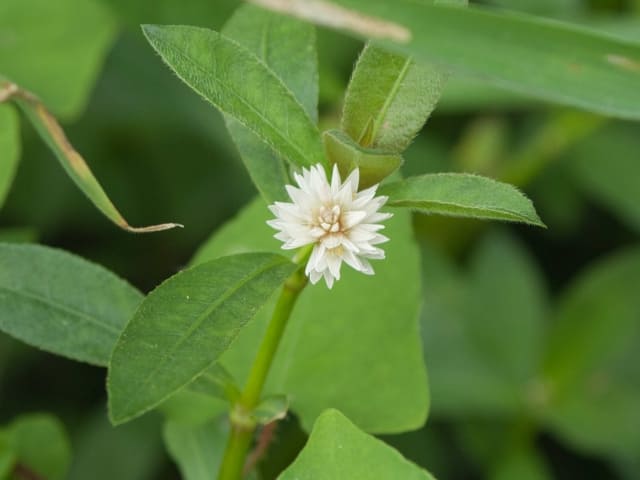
(287, 47)
(360, 340)
(573, 66)
(241, 86)
(184, 325)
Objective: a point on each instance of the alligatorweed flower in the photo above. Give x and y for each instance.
(340, 222)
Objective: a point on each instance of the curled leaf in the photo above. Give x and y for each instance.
(76, 167)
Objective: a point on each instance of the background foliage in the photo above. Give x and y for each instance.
(550, 392)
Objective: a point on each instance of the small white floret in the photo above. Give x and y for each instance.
(340, 222)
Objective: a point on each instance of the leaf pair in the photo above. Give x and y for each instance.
(574, 66)
(63, 304)
(386, 115)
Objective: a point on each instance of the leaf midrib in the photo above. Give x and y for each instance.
(197, 324)
(61, 307)
(390, 97)
(223, 86)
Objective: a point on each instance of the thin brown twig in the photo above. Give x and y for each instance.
(23, 472)
(267, 434)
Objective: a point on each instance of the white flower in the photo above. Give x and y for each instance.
(340, 222)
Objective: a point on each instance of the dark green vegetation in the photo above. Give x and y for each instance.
(530, 336)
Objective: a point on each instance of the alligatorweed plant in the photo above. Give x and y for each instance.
(257, 327)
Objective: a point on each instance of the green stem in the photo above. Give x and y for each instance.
(242, 424)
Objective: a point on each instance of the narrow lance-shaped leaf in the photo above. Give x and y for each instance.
(61, 303)
(287, 47)
(557, 62)
(184, 325)
(72, 162)
(462, 195)
(9, 148)
(338, 449)
(241, 86)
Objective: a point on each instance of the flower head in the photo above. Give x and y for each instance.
(340, 222)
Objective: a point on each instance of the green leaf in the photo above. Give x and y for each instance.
(271, 408)
(612, 183)
(573, 66)
(184, 325)
(72, 162)
(389, 99)
(129, 452)
(469, 315)
(197, 449)
(216, 382)
(334, 338)
(338, 449)
(241, 86)
(61, 303)
(287, 47)
(374, 166)
(591, 374)
(462, 195)
(41, 445)
(9, 148)
(69, 39)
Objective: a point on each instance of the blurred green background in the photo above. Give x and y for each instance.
(552, 391)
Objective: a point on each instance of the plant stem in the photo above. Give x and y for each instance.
(242, 424)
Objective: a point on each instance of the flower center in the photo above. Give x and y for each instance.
(329, 218)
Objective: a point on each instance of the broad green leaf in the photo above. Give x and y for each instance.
(287, 47)
(612, 182)
(61, 303)
(466, 319)
(128, 452)
(73, 163)
(373, 165)
(9, 148)
(573, 66)
(55, 49)
(389, 99)
(338, 449)
(184, 325)
(335, 337)
(592, 377)
(216, 382)
(462, 195)
(41, 445)
(197, 449)
(241, 86)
